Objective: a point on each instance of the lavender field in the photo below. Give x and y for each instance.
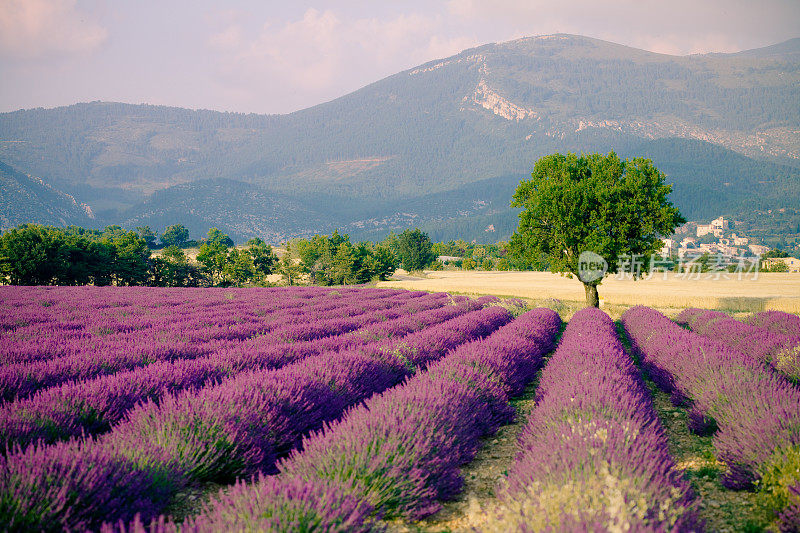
(361, 409)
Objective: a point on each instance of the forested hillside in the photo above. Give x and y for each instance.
(441, 146)
(27, 199)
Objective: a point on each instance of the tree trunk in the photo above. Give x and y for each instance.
(592, 298)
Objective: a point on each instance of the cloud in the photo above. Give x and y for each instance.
(34, 29)
(322, 55)
(675, 27)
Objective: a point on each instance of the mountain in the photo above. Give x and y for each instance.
(25, 199)
(441, 145)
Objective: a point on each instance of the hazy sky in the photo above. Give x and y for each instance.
(276, 57)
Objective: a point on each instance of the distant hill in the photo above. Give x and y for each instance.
(25, 199)
(441, 145)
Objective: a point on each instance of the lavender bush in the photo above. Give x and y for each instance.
(776, 349)
(92, 406)
(593, 455)
(400, 452)
(756, 411)
(242, 424)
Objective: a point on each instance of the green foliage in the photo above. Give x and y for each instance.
(213, 256)
(42, 255)
(779, 266)
(173, 269)
(775, 253)
(414, 250)
(216, 236)
(147, 236)
(264, 259)
(334, 260)
(239, 268)
(33, 255)
(289, 269)
(131, 253)
(176, 235)
(599, 203)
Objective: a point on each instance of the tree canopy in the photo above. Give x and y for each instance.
(176, 235)
(616, 209)
(414, 250)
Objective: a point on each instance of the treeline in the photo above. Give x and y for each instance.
(334, 260)
(34, 254)
(472, 256)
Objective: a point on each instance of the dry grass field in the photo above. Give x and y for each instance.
(759, 292)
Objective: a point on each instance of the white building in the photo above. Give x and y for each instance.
(704, 229)
(757, 249)
(720, 223)
(791, 262)
(669, 246)
(739, 241)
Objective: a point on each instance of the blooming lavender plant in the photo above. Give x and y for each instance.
(756, 411)
(776, 349)
(400, 452)
(593, 454)
(239, 426)
(777, 321)
(92, 406)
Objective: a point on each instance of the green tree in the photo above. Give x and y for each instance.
(216, 236)
(264, 259)
(147, 235)
(131, 255)
(213, 256)
(414, 250)
(289, 268)
(385, 262)
(592, 203)
(239, 268)
(173, 269)
(113, 231)
(774, 253)
(176, 235)
(32, 254)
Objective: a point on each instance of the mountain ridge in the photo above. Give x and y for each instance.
(484, 113)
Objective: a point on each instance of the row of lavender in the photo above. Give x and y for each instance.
(92, 406)
(174, 334)
(593, 455)
(772, 337)
(777, 322)
(217, 433)
(394, 456)
(753, 411)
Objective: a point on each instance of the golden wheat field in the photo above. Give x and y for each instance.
(752, 292)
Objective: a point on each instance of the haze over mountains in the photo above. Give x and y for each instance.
(441, 146)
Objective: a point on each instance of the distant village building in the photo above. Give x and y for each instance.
(669, 247)
(720, 223)
(739, 241)
(758, 249)
(791, 262)
(705, 229)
